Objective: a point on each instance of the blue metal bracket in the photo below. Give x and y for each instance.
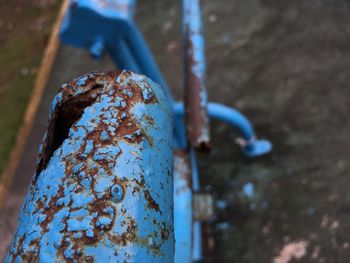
(98, 25)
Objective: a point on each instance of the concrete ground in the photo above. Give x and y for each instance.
(285, 65)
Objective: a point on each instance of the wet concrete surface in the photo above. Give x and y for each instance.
(284, 64)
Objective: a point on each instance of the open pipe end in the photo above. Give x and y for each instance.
(68, 107)
(202, 146)
(254, 148)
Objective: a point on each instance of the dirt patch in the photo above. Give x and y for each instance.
(24, 33)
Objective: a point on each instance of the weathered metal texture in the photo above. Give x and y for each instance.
(197, 121)
(182, 206)
(107, 25)
(103, 190)
(96, 24)
(203, 206)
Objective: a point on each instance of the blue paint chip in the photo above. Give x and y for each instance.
(82, 81)
(104, 136)
(103, 221)
(248, 190)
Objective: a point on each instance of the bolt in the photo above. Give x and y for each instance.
(117, 192)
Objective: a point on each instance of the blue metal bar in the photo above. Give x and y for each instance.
(122, 56)
(188, 233)
(104, 188)
(197, 121)
(223, 113)
(95, 25)
(232, 117)
(179, 132)
(144, 58)
(251, 147)
(197, 225)
(183, 211)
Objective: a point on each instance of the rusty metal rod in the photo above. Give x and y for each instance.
(197, 121)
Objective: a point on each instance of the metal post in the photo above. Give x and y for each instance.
(197, 122)
(183, 211)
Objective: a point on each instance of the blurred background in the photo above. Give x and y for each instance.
(284, 64)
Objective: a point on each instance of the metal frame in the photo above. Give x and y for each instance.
(107, 26)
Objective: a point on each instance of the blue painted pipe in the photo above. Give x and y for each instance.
(196, 116)
(183, 212)
(251, 147)
(188, 233)
(103, 192)
(122, 56)
(232, 117)
(226, 114)
(144, 58)
(111, 22)
(197, 225)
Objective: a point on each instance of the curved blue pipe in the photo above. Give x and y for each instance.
(225, 114)
(251, 147)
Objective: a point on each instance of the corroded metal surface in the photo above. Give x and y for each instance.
(203, 206)
(197, 120)
(103, 189)
(107, 26)
(182, 206)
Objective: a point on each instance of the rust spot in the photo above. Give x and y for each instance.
(89, 259)
(51, 209)
(197, 121)
(150, 120)
(135, 190)
(182, 168)
(164, 232)
(74, 99)
(150, 202)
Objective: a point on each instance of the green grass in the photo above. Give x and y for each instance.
(20, 55)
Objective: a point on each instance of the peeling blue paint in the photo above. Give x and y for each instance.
(78, 198)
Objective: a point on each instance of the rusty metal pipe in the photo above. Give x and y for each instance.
(197, 121)
(103, 190)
